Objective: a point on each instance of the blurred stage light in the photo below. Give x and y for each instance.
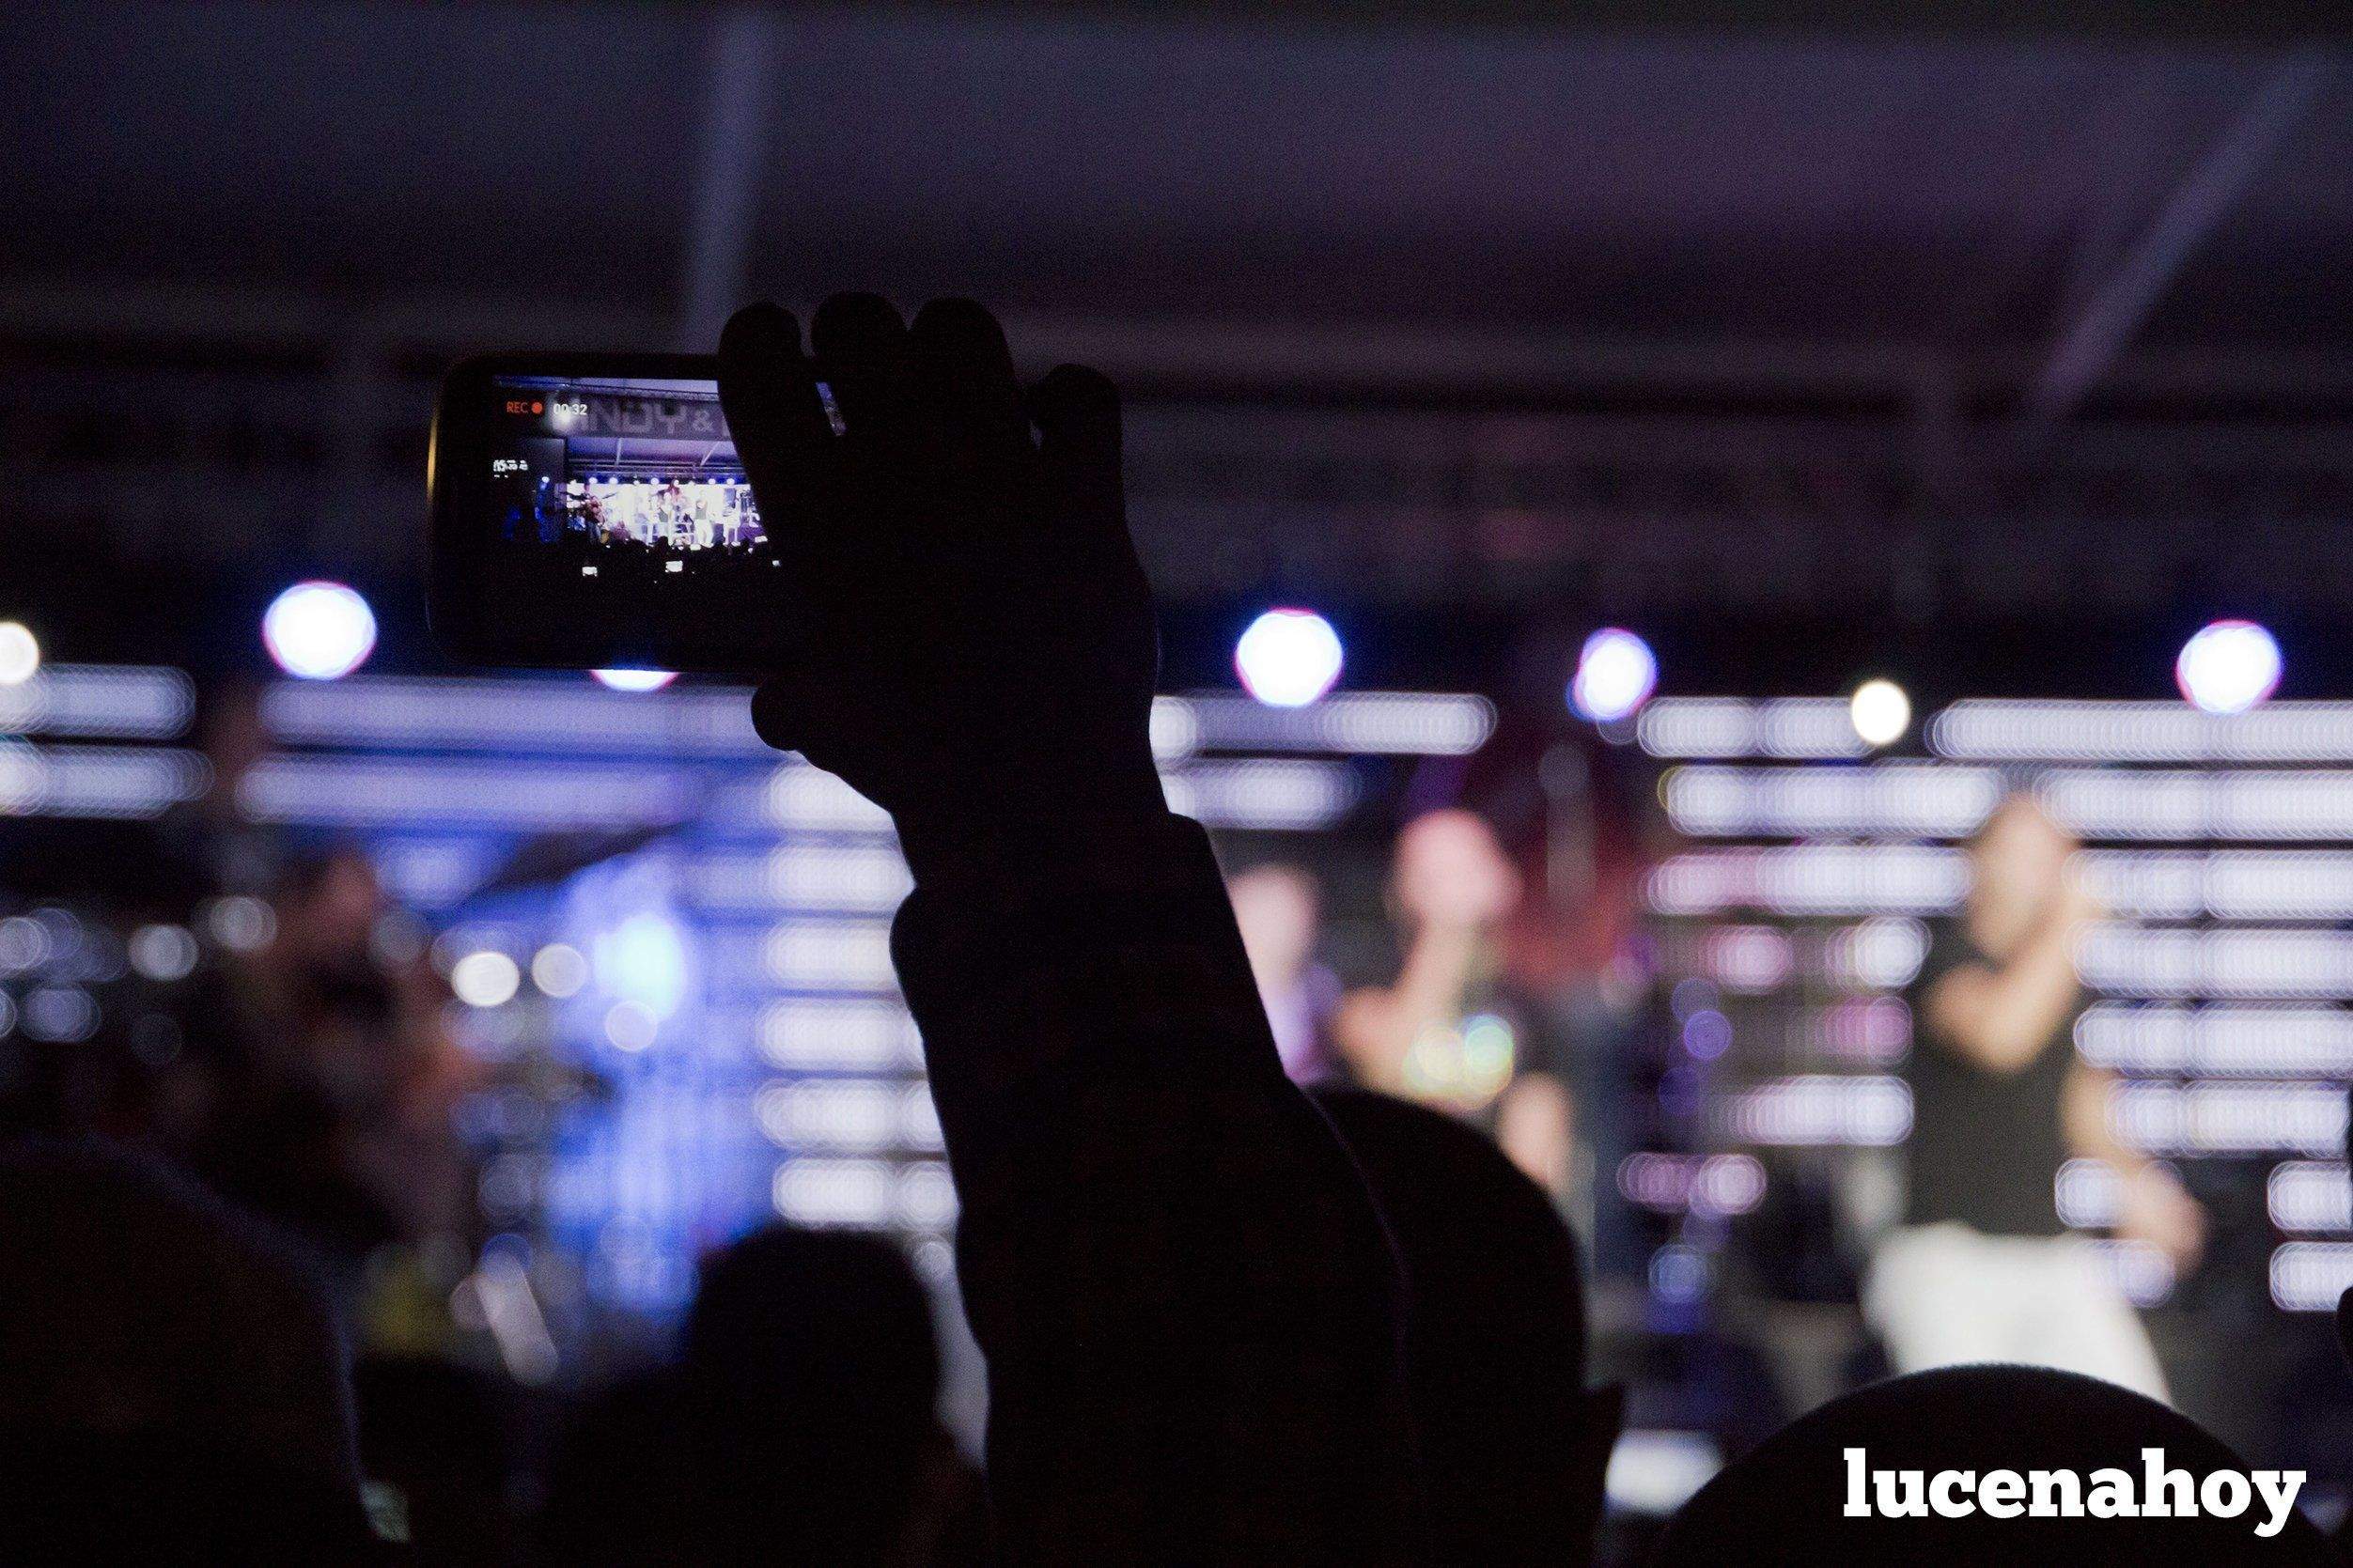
(1881, 712)
(644, 959)
(2309, 1276)
(927, 1196)
(2243, 1118)
(1262, 795)
(1915, 799)
(1288, 658)
(63, 1015)
(1427, 723)
(838, 1033)
(832, 955)
(485, 979)
(834, 1191)
(1738, 727)
(162, 952)
(20, 653)
(1616, 673)
(559, 970)
(630, 1026)
(241, 923)
(2309, 1195)
(1819, 1109)
(2228, 667)
(436, 714)
(854, 1115)
(636, 680)
(2140, 1269)
(2218, 1040)
(319, 630)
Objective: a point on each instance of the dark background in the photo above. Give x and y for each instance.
(1800, 346)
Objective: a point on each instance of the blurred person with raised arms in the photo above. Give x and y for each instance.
(1981, 1269)
(1449, 1030)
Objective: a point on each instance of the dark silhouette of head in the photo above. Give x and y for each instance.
(1784, 1502)
(1513, 1444)
(434, 1438)
(788, 1315)
(799, 1424)
(169, 1376)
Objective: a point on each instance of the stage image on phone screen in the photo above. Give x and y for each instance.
(632, 481)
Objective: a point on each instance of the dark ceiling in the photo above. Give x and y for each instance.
(1426, 309)
(1827, 189)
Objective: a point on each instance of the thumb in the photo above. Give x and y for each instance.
(767, 391)
(791, 713)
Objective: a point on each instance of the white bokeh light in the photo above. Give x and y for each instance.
(636, 680)
(1881, 712)
(485, 979)
(1288, 658)
(2228, 667)
(559, 970)
(630, 1026)
(1616, 673)
(319, 630)
(20, 653)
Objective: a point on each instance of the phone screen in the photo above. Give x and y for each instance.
(589, 511)
(630, 481)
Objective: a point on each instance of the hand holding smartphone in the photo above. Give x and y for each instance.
(927, 562)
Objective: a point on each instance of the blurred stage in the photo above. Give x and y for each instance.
(666, 947)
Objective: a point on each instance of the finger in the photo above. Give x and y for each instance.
(861, 349)
(963, 379)
(769, 394)
(789, 712)
(1077, 414)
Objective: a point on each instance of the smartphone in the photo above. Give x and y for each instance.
(589, 511)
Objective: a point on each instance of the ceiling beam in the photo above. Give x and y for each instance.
(727, 189)
(2115, 310)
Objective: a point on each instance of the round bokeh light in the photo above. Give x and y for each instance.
(636, 680)
(2228, 667)
(319, 630)
(1288, 658)
(1881, 712)
(1616, 673)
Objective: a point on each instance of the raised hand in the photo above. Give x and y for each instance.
(972, 644)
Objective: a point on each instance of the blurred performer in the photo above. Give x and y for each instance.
(1278, 907)
(1448, 1031)
(674, 523)
(1981, 1269)
(581, 511)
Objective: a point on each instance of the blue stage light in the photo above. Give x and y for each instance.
(636, 680)
(1616, 675)
(319, 630)
(644, 961)
(2228, 667)
(1288, 658)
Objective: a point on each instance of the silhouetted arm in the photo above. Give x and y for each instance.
(1187, 1303)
